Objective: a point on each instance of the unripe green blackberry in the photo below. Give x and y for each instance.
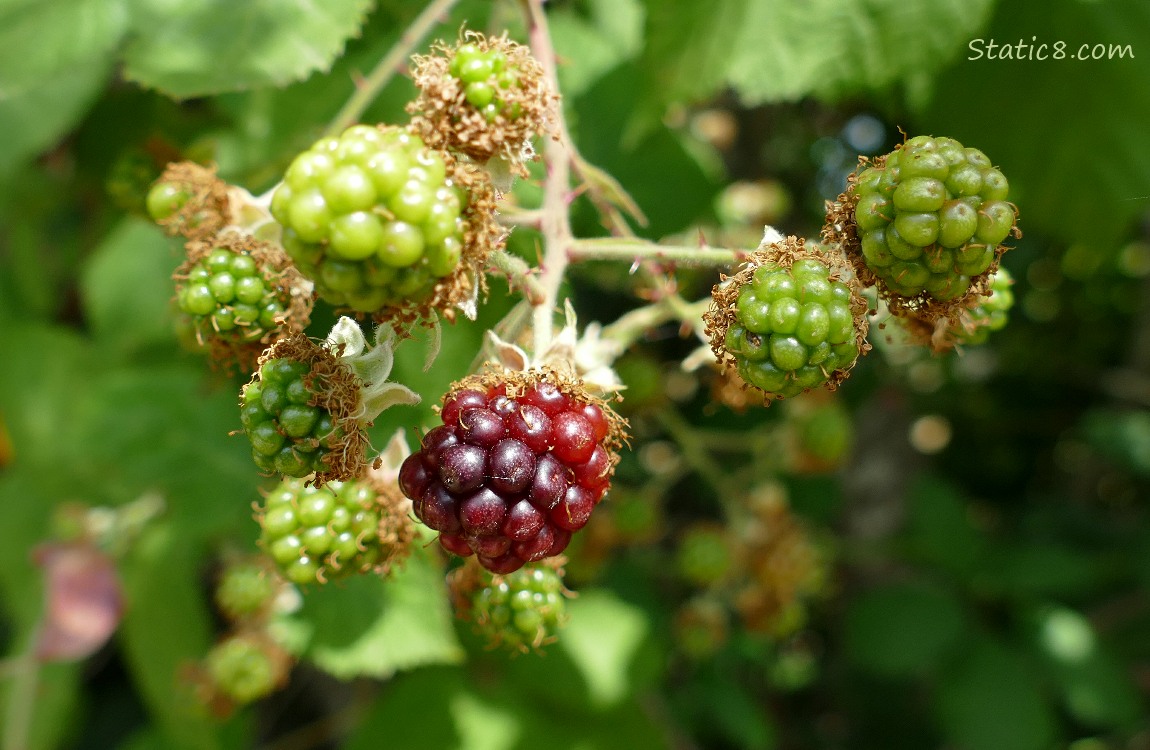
(246, 590)
(991, 311)
(239, 294)
(522, 610)
(300, 413)
(190, 200)
(489, 84)
(316, 534)
(245, 667)
(706, 554)
(485, 97)
(382, 224)
(925, 224)
(788, 321)
(820, 432)
(969, 324)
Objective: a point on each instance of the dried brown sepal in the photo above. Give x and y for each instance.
(724, 296)
(396, 530)
(238, 350)
(482, 235)
(516, 382)
(730, 390)
(840, 228)
(336, 389)
(445, 119)
(787, 567)
(207, 209)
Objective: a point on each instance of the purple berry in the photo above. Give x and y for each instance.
(461, 467)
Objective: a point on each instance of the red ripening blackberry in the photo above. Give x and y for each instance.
(518, 465)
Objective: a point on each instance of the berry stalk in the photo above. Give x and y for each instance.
(367, 89)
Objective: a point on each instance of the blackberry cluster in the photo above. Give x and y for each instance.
(330, 532)
(511, 474)
(931, 216)
(786, 323)
(290, 433)
(374, 217)
(485, 76)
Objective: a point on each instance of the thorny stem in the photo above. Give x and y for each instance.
(520, 275)
(554, 223)
(367, 89)
(610, 248)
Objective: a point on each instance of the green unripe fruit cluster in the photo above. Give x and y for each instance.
(705, 555)
(992, 312)
(372, 217)
(486, 76)
(226, 293)
(317, 534)
(289, 434)
(520, 610)
(242, 669)
(245, 591)
(931, 216)
(793, 328)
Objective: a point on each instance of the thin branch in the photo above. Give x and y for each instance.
(520, 275)
(368, 89)
(610, 248)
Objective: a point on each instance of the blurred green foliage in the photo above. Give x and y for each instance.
(989, 590)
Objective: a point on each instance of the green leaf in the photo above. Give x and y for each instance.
(44, 39)
(127, 286)
(782, 51)
(590, 45)
(187, 49)
(990, 700)
(939, 530)
(55, 56)
(375, 627)
(484, 711)
(35, 119)
(1095, 688)
(603, 639)
(1032, 568)
(155, 428)
(166, 628)
(642, 159)
(1088, 180)
(903, 629)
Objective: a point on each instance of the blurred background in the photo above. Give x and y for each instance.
(950, 551)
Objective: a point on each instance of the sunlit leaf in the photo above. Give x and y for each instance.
(371, 626)
(191, 49)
